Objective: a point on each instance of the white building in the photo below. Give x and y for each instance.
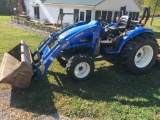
(87, 9)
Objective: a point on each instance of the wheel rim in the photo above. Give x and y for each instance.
(82, 70)
(143, 56)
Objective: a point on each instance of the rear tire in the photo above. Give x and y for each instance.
(80, 67)
(139, 54)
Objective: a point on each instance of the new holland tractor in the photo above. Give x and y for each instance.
(126, 42)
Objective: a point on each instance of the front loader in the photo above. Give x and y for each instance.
(131, 45)
(19, 65)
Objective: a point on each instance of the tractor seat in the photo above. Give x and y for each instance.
(123, 23)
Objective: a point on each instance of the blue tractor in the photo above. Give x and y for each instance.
(126, 42)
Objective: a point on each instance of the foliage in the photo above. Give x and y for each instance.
(155, 26)
(152, 4)
(6, 6)
(141, 2)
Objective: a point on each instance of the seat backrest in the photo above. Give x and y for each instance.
(124, 21)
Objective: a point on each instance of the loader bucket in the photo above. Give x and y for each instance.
(16, 66)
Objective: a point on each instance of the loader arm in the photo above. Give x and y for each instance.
(19, 64)
(53, 36)
(65, 41)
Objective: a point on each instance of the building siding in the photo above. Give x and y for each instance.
(50, 12)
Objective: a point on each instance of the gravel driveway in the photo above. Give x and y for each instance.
(8, 110)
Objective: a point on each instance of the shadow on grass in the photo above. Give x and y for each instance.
(157, 34)
(113, 84)
(108, 84)
(38, 98)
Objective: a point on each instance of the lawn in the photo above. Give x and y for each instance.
(111, 93)
(155, 26)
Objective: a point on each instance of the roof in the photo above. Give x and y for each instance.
(74, 2)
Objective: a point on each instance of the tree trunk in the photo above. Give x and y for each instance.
(154, 12)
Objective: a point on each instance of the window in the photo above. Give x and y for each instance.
(109, 17)
(81, 16)
(76, 15)
(60, 10)
(134, 15)
(88, 16)
(137, 16)
(76, 11)
(36, 12)
(104, 15)
(97, 14)
(130, 14)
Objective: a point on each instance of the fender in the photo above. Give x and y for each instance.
(133, 33)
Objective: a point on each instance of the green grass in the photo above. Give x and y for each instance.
(111, 93)
(155, 26)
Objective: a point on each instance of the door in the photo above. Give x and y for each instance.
(36, 12)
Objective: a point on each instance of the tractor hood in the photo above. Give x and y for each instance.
(77, 30)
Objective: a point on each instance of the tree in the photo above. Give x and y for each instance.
(6, 6)
(2, 7)
(156, 3)
(155, 7)
(151, 3)
(141, 2)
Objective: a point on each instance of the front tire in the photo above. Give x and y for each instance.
(139, 54)
(80, 67)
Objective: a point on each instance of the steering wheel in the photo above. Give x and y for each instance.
(102, 22)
